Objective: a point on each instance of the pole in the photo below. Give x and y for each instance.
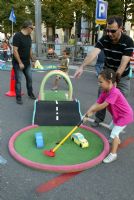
(12, 28)
(12, 39)
(38, 27)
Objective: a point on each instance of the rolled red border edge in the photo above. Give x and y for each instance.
(59, 168)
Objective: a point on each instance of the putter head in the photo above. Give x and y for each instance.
(49, 153)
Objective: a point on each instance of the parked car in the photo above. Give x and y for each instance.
(79, 139)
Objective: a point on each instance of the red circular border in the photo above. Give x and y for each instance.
(59, 168)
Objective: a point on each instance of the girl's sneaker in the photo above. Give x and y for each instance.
(110, 158)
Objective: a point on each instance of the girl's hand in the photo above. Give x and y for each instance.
(87, 115)
(85, 119)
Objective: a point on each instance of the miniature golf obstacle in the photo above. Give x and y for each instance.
(56, 113)
(64, 112)
(66, 96)
(51, 152)
(39, 140)
(70, 158)
(38, 65)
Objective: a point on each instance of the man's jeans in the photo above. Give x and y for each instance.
(99, 68)
(124, 87)
(18, 77)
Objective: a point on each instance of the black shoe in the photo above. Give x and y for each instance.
(95, 124)
(19, 101)
(32, 96)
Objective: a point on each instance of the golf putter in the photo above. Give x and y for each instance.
(51, 152)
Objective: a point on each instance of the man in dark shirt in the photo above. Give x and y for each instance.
(118, 48)
(22, 54)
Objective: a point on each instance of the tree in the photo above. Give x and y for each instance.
(123, 8)
(23, 10)
(60, 13)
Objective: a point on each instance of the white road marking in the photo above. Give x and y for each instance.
(57, 117)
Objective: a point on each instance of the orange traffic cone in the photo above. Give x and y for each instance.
(11, 92)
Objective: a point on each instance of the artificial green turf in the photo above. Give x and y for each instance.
(61, 95)
(68, 154)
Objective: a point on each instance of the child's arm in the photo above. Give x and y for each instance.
(96, 107)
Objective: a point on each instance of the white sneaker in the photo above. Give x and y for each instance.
(110, 158)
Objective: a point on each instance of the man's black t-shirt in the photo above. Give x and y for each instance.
(114, 52)
(23, 42)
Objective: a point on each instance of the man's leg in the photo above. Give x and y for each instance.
(18, 77)
(28, 74)
(99, 68)
(100, 115)
(124, 86)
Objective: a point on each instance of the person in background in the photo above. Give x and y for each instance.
(121, 112)
(57, 40)
(5, 47)
(72, 40)
(44, 39)
(22, 55)
(63, 67)
(44, 44)
(118, 48)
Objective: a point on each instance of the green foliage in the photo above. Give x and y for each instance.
(23, 10)
(59, 13)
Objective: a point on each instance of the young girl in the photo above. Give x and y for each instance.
(112, 99)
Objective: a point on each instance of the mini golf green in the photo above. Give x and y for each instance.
(56, 95)
(69, 157)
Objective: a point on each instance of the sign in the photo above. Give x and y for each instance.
(12, 16)
(101, 12)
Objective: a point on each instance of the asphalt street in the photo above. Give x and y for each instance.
(103, 182)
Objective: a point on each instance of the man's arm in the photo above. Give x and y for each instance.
(123, 65)
(88, 60)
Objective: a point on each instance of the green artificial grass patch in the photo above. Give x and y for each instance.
(59, 95)
(68, 154)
